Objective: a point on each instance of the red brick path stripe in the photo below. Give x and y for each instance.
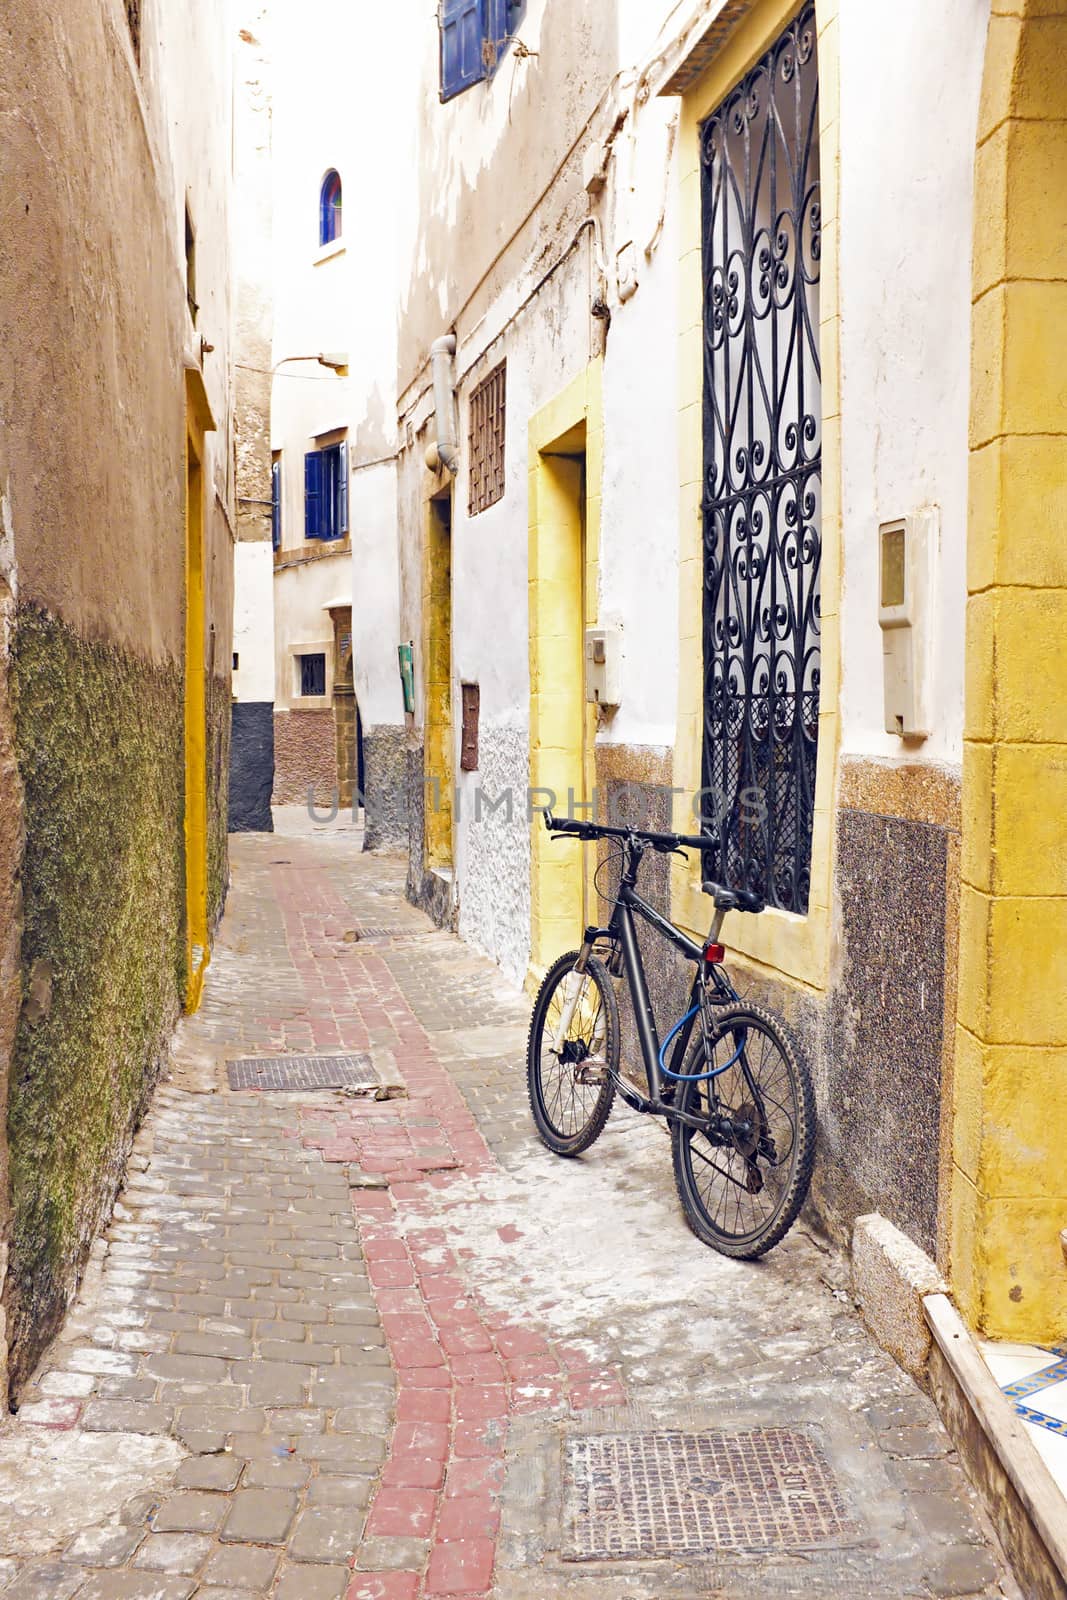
(462, 1370)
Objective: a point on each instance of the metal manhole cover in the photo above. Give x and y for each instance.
(676, 1494)
(301, 1072)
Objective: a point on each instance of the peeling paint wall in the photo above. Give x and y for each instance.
(526, 120)
(96, 328)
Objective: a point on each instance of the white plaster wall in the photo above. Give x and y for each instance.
(345, 301)
(301, 595)
(545, 347)
(909, 99)
(312, 291)
(375, 596)
(639, 518)
(252, 267)
(548, 337)
(253, 620)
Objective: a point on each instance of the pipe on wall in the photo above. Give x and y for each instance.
(445, 452)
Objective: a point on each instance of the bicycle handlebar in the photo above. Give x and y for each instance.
(577, 829)
(725, 899)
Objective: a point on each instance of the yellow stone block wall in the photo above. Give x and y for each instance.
(1009, 1189)
(562, 602)
(437, 655)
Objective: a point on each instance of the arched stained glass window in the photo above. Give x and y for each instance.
(330, 208)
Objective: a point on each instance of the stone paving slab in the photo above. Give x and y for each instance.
(350, 1338)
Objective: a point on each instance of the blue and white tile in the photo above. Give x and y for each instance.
(1034, 1380)
(1009, 1363)
(1052, 1448)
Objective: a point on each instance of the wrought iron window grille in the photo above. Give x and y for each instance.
(762, 441)
(313, 674)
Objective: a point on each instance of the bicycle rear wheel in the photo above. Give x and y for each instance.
(741, 1191)
(569, 1086)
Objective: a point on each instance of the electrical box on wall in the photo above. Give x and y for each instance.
(907, 571)
(603, 666)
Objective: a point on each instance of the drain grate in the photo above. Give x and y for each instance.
(678, 1494)
(301, 1072)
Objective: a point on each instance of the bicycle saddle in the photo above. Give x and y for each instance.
(733, 899)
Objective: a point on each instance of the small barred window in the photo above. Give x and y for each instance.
(487, 441)
(468, 750)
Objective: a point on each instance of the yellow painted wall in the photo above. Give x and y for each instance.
(790, 947)
(197, 944)
(438, 762)
(1009, 1191)
(563, 581)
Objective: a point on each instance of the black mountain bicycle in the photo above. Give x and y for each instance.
(736, 1091)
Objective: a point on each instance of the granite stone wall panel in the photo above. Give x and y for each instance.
(875, 1042)
(415, 800)
(305, 757)
(886, 1033)
(386, 785)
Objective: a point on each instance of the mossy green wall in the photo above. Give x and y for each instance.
(99, 742)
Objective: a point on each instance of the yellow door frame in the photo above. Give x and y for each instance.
(199, 421)
(794, 948)
(438, 753)
(564, 545)
(1009, 1171)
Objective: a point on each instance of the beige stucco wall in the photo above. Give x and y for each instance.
(93, 325)
(99, 156)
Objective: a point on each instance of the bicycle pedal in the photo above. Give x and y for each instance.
(592, 1075)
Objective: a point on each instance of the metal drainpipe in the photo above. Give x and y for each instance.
(445, 453)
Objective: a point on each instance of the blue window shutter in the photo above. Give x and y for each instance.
(342, 490)
(313, 519)
(497, 30)
(464, 30)
(276, 504)
(330, 208)
(328, 519)
(504, 17)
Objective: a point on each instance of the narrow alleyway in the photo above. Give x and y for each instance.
(334, 1345)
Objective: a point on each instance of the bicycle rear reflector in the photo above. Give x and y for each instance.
(714, 954)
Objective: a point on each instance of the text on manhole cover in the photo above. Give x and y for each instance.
(675, 1494)
(301, 1072)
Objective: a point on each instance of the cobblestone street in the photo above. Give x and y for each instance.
(335, 1345)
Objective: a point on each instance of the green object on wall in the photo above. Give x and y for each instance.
(405, 652)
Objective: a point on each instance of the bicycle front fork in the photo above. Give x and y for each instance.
(573, 985)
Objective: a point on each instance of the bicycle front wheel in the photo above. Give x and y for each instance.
(743, 1178)
(573, 1042)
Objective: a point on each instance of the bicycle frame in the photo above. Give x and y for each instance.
(621, 931)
